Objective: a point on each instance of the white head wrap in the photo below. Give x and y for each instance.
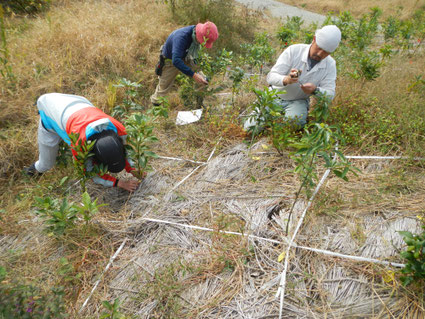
(328, 38)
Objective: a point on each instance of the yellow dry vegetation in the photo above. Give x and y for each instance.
(78, 47)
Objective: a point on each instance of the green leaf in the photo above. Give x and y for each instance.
(151, 154)
(406, 234)
(86, 199)
(63, 180)
(107, 305)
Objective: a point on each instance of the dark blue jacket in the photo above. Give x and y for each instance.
(176, 47)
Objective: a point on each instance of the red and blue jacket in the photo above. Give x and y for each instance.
(66, 114)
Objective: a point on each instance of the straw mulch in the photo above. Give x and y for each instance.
(174, 271)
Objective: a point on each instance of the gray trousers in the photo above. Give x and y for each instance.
(48, 146)
(296, 110)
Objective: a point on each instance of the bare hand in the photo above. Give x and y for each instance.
(308, 88)
(292, 77)
(130, 185)
(200, 79)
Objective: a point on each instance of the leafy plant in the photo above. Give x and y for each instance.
(87, 208)
(319, 141)
(391, 28)
(259, 52)
(294, 23)
(265, 109)
(285, 35)
(282, 134)
(219, 64)
(414, 256)
(320, 111)
(193, 94)
(345, 22)
(112, 310)
(58, 216)
(290, 30)
(61, 216)
(140, 135)
(367, 66)
(129, 102)
(26, 301)
(84, 167)
(236, 75)
(360, 33)
(161, 108)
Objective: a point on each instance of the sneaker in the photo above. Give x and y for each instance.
(32, 171)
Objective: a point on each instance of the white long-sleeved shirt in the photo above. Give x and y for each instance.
(323, 74)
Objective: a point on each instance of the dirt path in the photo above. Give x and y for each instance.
(280, 10)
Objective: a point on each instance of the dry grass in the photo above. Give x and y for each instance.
(215, 275)
(400, 8)
(80, 48)
(391, 116)
(82, 51)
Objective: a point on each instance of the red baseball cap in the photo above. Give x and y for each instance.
(206, 32)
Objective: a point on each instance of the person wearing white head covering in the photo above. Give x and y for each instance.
(303, 70)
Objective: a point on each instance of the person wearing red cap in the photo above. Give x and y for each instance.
(179, 54)
(63, 114)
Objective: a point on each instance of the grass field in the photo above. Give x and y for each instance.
(88, 48)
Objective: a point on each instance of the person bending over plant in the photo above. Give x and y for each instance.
(179, 53)
(64, 116)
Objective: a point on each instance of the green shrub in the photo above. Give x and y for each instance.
(140, 136)
(265, 111)
(129, 102)
(112, 310)
(193, 94)
(391, 28)
(84, 166)
(357, 33)
(285, 35)
(25, 301)
(291, 31)
(60, 217)
(259, 52)
(414, 257)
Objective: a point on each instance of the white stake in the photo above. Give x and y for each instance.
(101, 276)
(317, 250)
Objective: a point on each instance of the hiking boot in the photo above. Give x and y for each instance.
(32, 171)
